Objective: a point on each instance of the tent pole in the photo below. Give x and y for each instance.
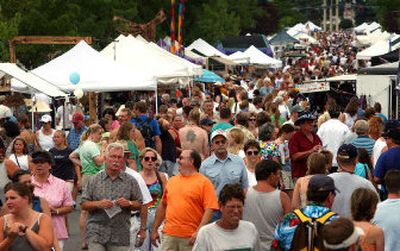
(156, 100)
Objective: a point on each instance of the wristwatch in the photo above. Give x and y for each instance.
(24, 229)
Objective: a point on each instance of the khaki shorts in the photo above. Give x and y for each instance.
(287, 180)
(85, 180)
(171, 243)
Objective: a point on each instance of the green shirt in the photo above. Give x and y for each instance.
(87, 152)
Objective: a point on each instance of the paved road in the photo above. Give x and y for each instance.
(73, 243)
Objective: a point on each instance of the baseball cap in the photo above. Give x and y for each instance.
(42, 156)
(321, 183)
(217, 133)
(77, 117)
(347, 151)
(45, 118)
(393, 134)
(207, 122)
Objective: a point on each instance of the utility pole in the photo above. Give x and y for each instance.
(330, 15)
(324, 17)
(337, 15)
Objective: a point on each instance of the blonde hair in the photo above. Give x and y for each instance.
(316, 164)
(149, 149)
(62, 133)
(92, 129)
(237, 142)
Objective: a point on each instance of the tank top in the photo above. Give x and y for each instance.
(264, 209)
(21, 243)
(168, 146)
(155, 192)
(21, 161)
(46, 141)
(367, 246)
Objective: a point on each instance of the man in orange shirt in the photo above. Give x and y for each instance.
(188, 204)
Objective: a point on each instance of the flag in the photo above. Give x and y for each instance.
(172, 28)
(180, 25)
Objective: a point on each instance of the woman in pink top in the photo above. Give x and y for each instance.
(55, 191)
(316, 164)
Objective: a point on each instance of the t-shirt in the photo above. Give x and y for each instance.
(87, 152)
(388, 218)
(361, 170)
(187, 198)
(63, 167)
(364, 142)
(388, 160)
(347, 183)
(215, 238)
(142, 185)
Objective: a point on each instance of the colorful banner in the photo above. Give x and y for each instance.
(180, 26)
(172, 28)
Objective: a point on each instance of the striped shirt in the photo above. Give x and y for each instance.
(365, 142)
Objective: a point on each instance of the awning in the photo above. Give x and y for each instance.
(30, 80)
(224, 61)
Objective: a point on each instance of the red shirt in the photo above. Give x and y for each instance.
(300, 143)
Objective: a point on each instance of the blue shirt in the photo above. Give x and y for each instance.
(74, 137)
(155, 128)
(364, 142)
(388, 218)
(388, 160)
(221, 172)
(361, 170)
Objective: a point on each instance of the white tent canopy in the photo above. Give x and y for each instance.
(28, 82)
(205, 48)
(312, 27)
(296, 29)
(365, 27)
(138, 55)
(304, 38)
(254, 56)
(97, 73)
(380, 48)
(239, 57)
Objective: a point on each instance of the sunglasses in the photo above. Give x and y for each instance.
(150, 158)
(252, 119)
(252, 153)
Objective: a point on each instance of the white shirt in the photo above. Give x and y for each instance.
(142, 184)
(377, 150)
(212, 237)
(333, 134)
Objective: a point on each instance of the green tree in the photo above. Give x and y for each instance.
(8, 29)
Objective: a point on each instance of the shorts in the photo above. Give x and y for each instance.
(85, 179)
(287, 180)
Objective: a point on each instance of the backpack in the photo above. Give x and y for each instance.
(144, 126)
(307, 236)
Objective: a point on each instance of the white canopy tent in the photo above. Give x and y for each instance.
(296, 29)
(312, 27)
(139, 56)
(97, 73)
(380, 48)
(304, 38)
(371, 38)
(28, 82)
(254, 56)
(366, 28)
(205, 48)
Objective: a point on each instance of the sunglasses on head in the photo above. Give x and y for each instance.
(252, 153)
(147, 158)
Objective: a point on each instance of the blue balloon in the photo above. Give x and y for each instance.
(74, 78)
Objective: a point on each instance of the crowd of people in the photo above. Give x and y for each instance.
(248, 164)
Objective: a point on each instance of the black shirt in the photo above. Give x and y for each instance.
(63, 167)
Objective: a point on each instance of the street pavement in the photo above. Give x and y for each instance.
(73, 243)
